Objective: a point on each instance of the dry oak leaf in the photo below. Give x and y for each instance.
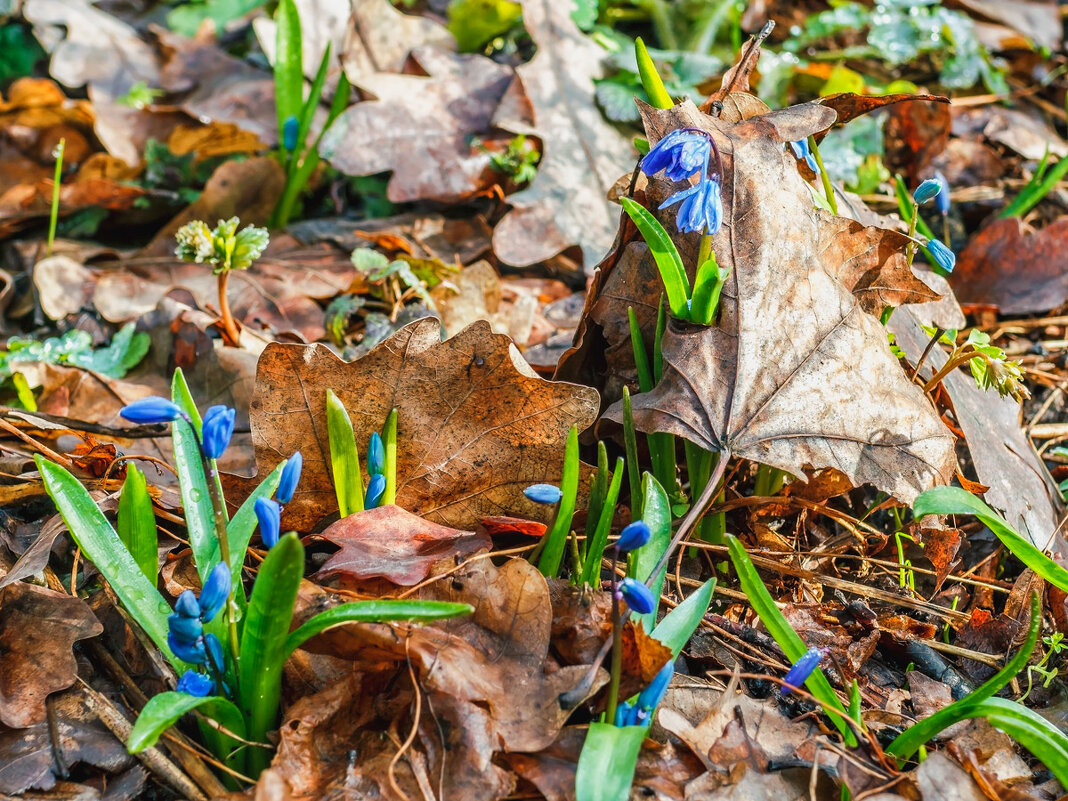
(421, 126)
(394, 544)
(583, 155)
(38, 629)
(476, 425)
(796, 373)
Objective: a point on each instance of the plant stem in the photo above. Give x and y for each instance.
(53, 218)
(617, 646)
(959, 357)
(230, 330)
(828, 190)
(219, 514)
(706, 249)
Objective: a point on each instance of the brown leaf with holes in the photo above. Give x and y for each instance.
(38, 629)
(476, 425)
(393, 544)
(796, 373)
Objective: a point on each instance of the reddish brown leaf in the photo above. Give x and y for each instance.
(940, 546)
(914, 134)
(38, 629)
(394, 544)
(849, 106)
(501, 525)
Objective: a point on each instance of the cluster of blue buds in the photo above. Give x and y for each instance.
(186, 636)
(215, 432)
(681, 154)
(640, 712)
(802, 669)
(802, 152)
(269, 510)
(376, 468)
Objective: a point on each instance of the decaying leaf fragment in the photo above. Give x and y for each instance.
(797, 373)
(475, 424)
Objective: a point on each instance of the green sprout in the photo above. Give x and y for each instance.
(988, 365)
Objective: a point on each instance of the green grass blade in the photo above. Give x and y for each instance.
(1037, 188)
(374, 612)
(288, 64)
(656, 512)
(307, 111)
(591, 569)
(909, 741)
(641, 358)
(666, 255)
(708, 286)
(630, 442)
(163, 711)
(783, 634)
(651, 81)
(101, 545)
(606, 765)
(137, 523)
(344, 458)
(680, 623)
(905, 204)
(956, 501)
(263, 642)
(389, 439)
(556, 537)
(597, 490)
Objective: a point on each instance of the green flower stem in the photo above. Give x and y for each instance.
(617, 646)
(706, 249)
(828, 190)
(389, 438)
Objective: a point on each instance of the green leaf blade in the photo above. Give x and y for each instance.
(344, 458)
(137, 523)
(165, 709)
(666, 255)
(606, 765)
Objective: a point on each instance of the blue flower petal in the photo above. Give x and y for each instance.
(217, 429)
(547, 494)
(651, 696)
(928, 190)
(269, 515)
(194, 683)
(802, 669)
(376, 455)
(638, 597)
(634, 536)
(184, 629)
(193, 653)
(187, 604)
(942, 198)
(287, 483)
(151, 410)
(376, 488)
(943, 256)
(215, 593)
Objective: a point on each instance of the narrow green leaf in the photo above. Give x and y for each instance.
(598, 488)
(668, 261)
(606, 765)
(783, 634)
(651, 81)
(591, 569)
(137, 523)
(373, 612)
(263, 642)
(163, 711)
(956, 501)
(630, 442)
(389, 439)
(307, 111)
(708, 286)
(656, 512)
(680, 623)
(641, 358)
(344, 458)
(101, 545)
(288, 64)
(556, 536)
(909, 741)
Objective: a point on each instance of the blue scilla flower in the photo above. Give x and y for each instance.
(376, 488)
(653, 694)
(638, 597)
(217, 429)
(928, 190)
(626, 714)
(547, 494)
(191, 651)
(802, 669)
(700, 207)
(376, 455)
(634, 536)
(269, 515)
(215, 593)
(290, 129)
(942, 198)
(943, 256)
(187, 604)
(214, 651)
(194, 683)
(802, 151)
(287, 483)
(680, 154)
(151, 410)
(185, 629)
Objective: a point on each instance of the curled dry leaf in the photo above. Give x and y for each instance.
(38, 629)
(796, 373)
(553, 99)
(394, 544)
(475, 424)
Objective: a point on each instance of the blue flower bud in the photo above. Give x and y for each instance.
(942, 198)
(943, 256)
(287, 484)
(626, 714)
(928, 190)
(185, 629)
(543, 493)
(290, 129)
(652, 695)
(700, 207)
(638, 597)
(151, 410)
(634, 536)
(269, 513)
(802, 669)
(194, 683)
(802, 151)
(217, 429)
(376, 455)
(680, 154)
(187, 605)
(215, 593)
(193, 652)
(376, 488)
(214, 651)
